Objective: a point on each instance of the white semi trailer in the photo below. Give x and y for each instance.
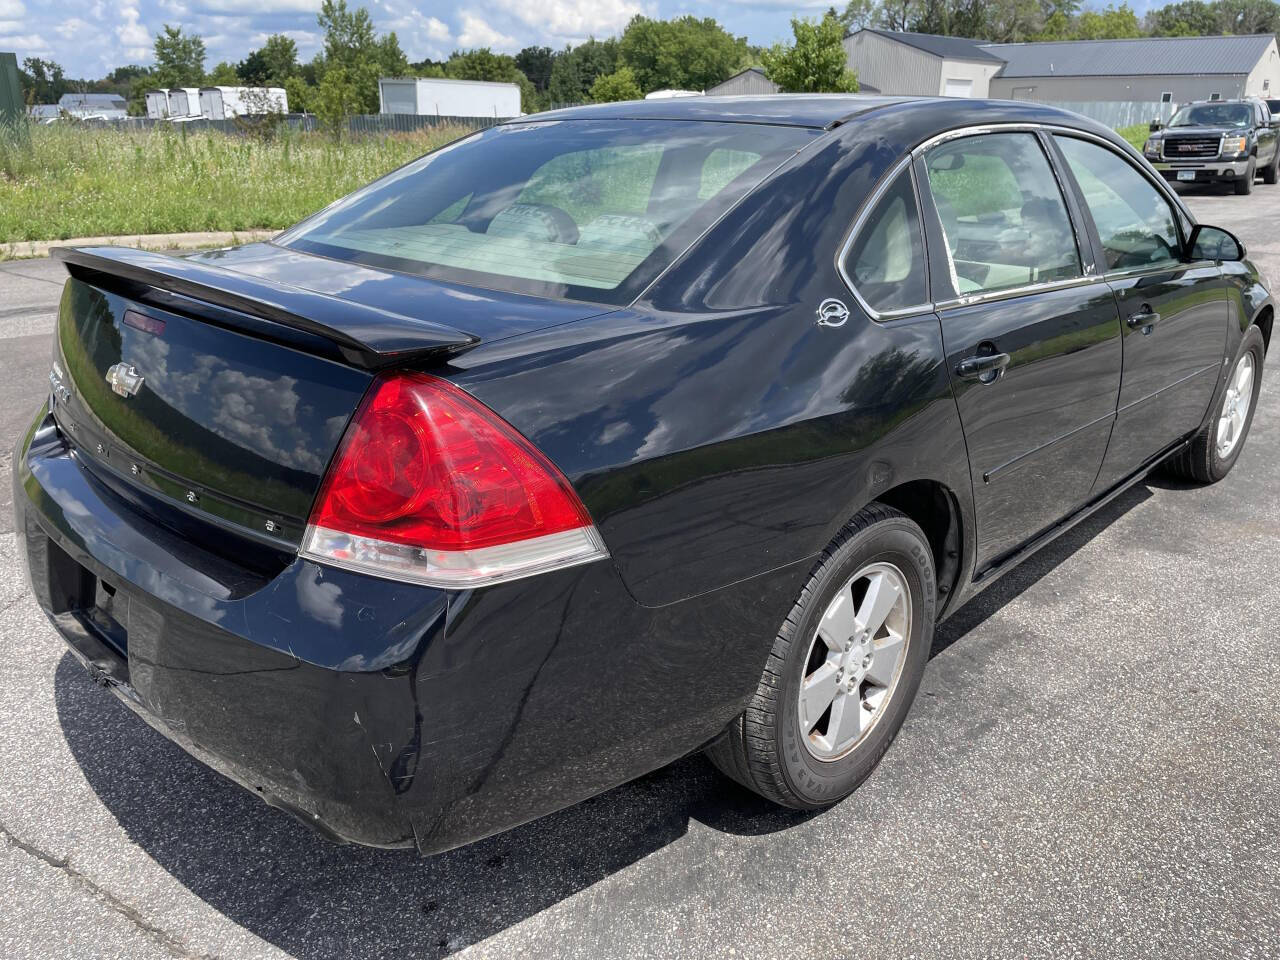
(435, 96)
(157, 104)
(184, 102)
(223, 103)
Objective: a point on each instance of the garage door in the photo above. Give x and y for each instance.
(958, 88)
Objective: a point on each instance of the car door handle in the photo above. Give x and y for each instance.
(1143, 318)
(986, 369)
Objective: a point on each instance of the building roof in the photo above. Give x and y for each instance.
(1146, 56)
(44, 110)
(98, 101)
(948, 48)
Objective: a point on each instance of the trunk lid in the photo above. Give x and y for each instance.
(212, 391)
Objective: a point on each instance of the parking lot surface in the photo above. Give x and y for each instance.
(1092, 769)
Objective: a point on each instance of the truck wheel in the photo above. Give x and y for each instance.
(1214, 450)
(844, 668)
(1245, 184)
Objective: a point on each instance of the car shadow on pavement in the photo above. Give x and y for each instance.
(313, 899)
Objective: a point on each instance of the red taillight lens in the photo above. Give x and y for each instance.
(425, 466)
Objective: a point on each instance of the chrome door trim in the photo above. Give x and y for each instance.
(1012, 292)
(886, 180)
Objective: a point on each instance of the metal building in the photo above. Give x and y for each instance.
(920, 64)
(441, 97)
(1145, 70)
(1149, 69)
(750, 82)
(94, 106)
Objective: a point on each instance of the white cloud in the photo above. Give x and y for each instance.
(26, 42)
(575, 18)
(259, 7)
(69, 29)
(11, 9)
(477, 33)
(135, 39)
(437, 29)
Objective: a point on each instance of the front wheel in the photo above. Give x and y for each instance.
(1214, 450)
(1245, 184)
(844, 668)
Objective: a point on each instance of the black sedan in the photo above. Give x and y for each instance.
(615, 433)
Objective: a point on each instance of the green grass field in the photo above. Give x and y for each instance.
(75, 182)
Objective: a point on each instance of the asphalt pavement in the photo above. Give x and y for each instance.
(1091, 770)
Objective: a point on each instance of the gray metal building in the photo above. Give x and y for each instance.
(109, 106)
(920, 64)
(750, 82)
(1145, 70)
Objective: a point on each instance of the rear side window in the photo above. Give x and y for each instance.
(582, 209)
(1135, 222)
(885, 262)
(1002, 213)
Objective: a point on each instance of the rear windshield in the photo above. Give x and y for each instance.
(1214, 115)
(581, 209)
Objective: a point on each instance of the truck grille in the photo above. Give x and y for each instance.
(1191, 148)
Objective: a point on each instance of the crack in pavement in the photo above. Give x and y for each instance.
(106, 897)
(30, 276)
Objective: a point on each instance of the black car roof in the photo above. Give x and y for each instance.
(816, 110)
(783, 109)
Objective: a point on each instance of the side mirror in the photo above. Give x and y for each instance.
(1155, 125)
(1214, 243)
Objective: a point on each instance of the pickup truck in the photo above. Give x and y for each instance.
(1217, 141)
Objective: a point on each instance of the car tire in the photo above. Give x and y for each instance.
(1214, 450)
(1272, 172)
(1244, 185)
(766, 748)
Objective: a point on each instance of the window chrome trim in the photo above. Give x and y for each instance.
(1086, 275)
(886, 181)
(1010, 293)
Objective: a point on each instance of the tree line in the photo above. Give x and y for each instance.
(683, 53)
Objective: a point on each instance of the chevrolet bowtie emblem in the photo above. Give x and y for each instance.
(124, 379)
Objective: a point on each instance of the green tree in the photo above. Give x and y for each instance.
(536, 63)
(271, 64)
(179, 58)
(620, 85)
(484, 64)
(336, 99)
(856, 15)
(43, 80)
(815, 62)
(576, 68)
(299, 93)
(351, 44)
(684, 53)
(223, 75)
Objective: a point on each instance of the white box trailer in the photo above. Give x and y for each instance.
(438, 97)
(223, 103)
(184, 102)
(157, 104)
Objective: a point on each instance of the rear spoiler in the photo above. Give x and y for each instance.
(366, 336)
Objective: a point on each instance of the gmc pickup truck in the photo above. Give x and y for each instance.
(1217, 141)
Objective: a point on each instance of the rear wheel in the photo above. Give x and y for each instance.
(1214, 450)
(844, 668)
(1245, 184)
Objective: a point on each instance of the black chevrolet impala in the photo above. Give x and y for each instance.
(612, 434)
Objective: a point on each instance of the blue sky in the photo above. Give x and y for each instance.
(89, 37)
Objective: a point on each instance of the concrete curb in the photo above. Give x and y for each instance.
(145, 241)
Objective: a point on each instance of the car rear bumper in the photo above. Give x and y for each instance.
(378, 712)
(1205, 170)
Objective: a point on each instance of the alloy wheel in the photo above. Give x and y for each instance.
(1235, 406)
(855, 659)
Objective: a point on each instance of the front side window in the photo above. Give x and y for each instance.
(1135, 222)
(1002, 213)
(584, 209)
(885, 262)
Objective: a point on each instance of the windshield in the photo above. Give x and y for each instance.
(583, 209)
(1213, 115)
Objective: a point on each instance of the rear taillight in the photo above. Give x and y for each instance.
(432, 486)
